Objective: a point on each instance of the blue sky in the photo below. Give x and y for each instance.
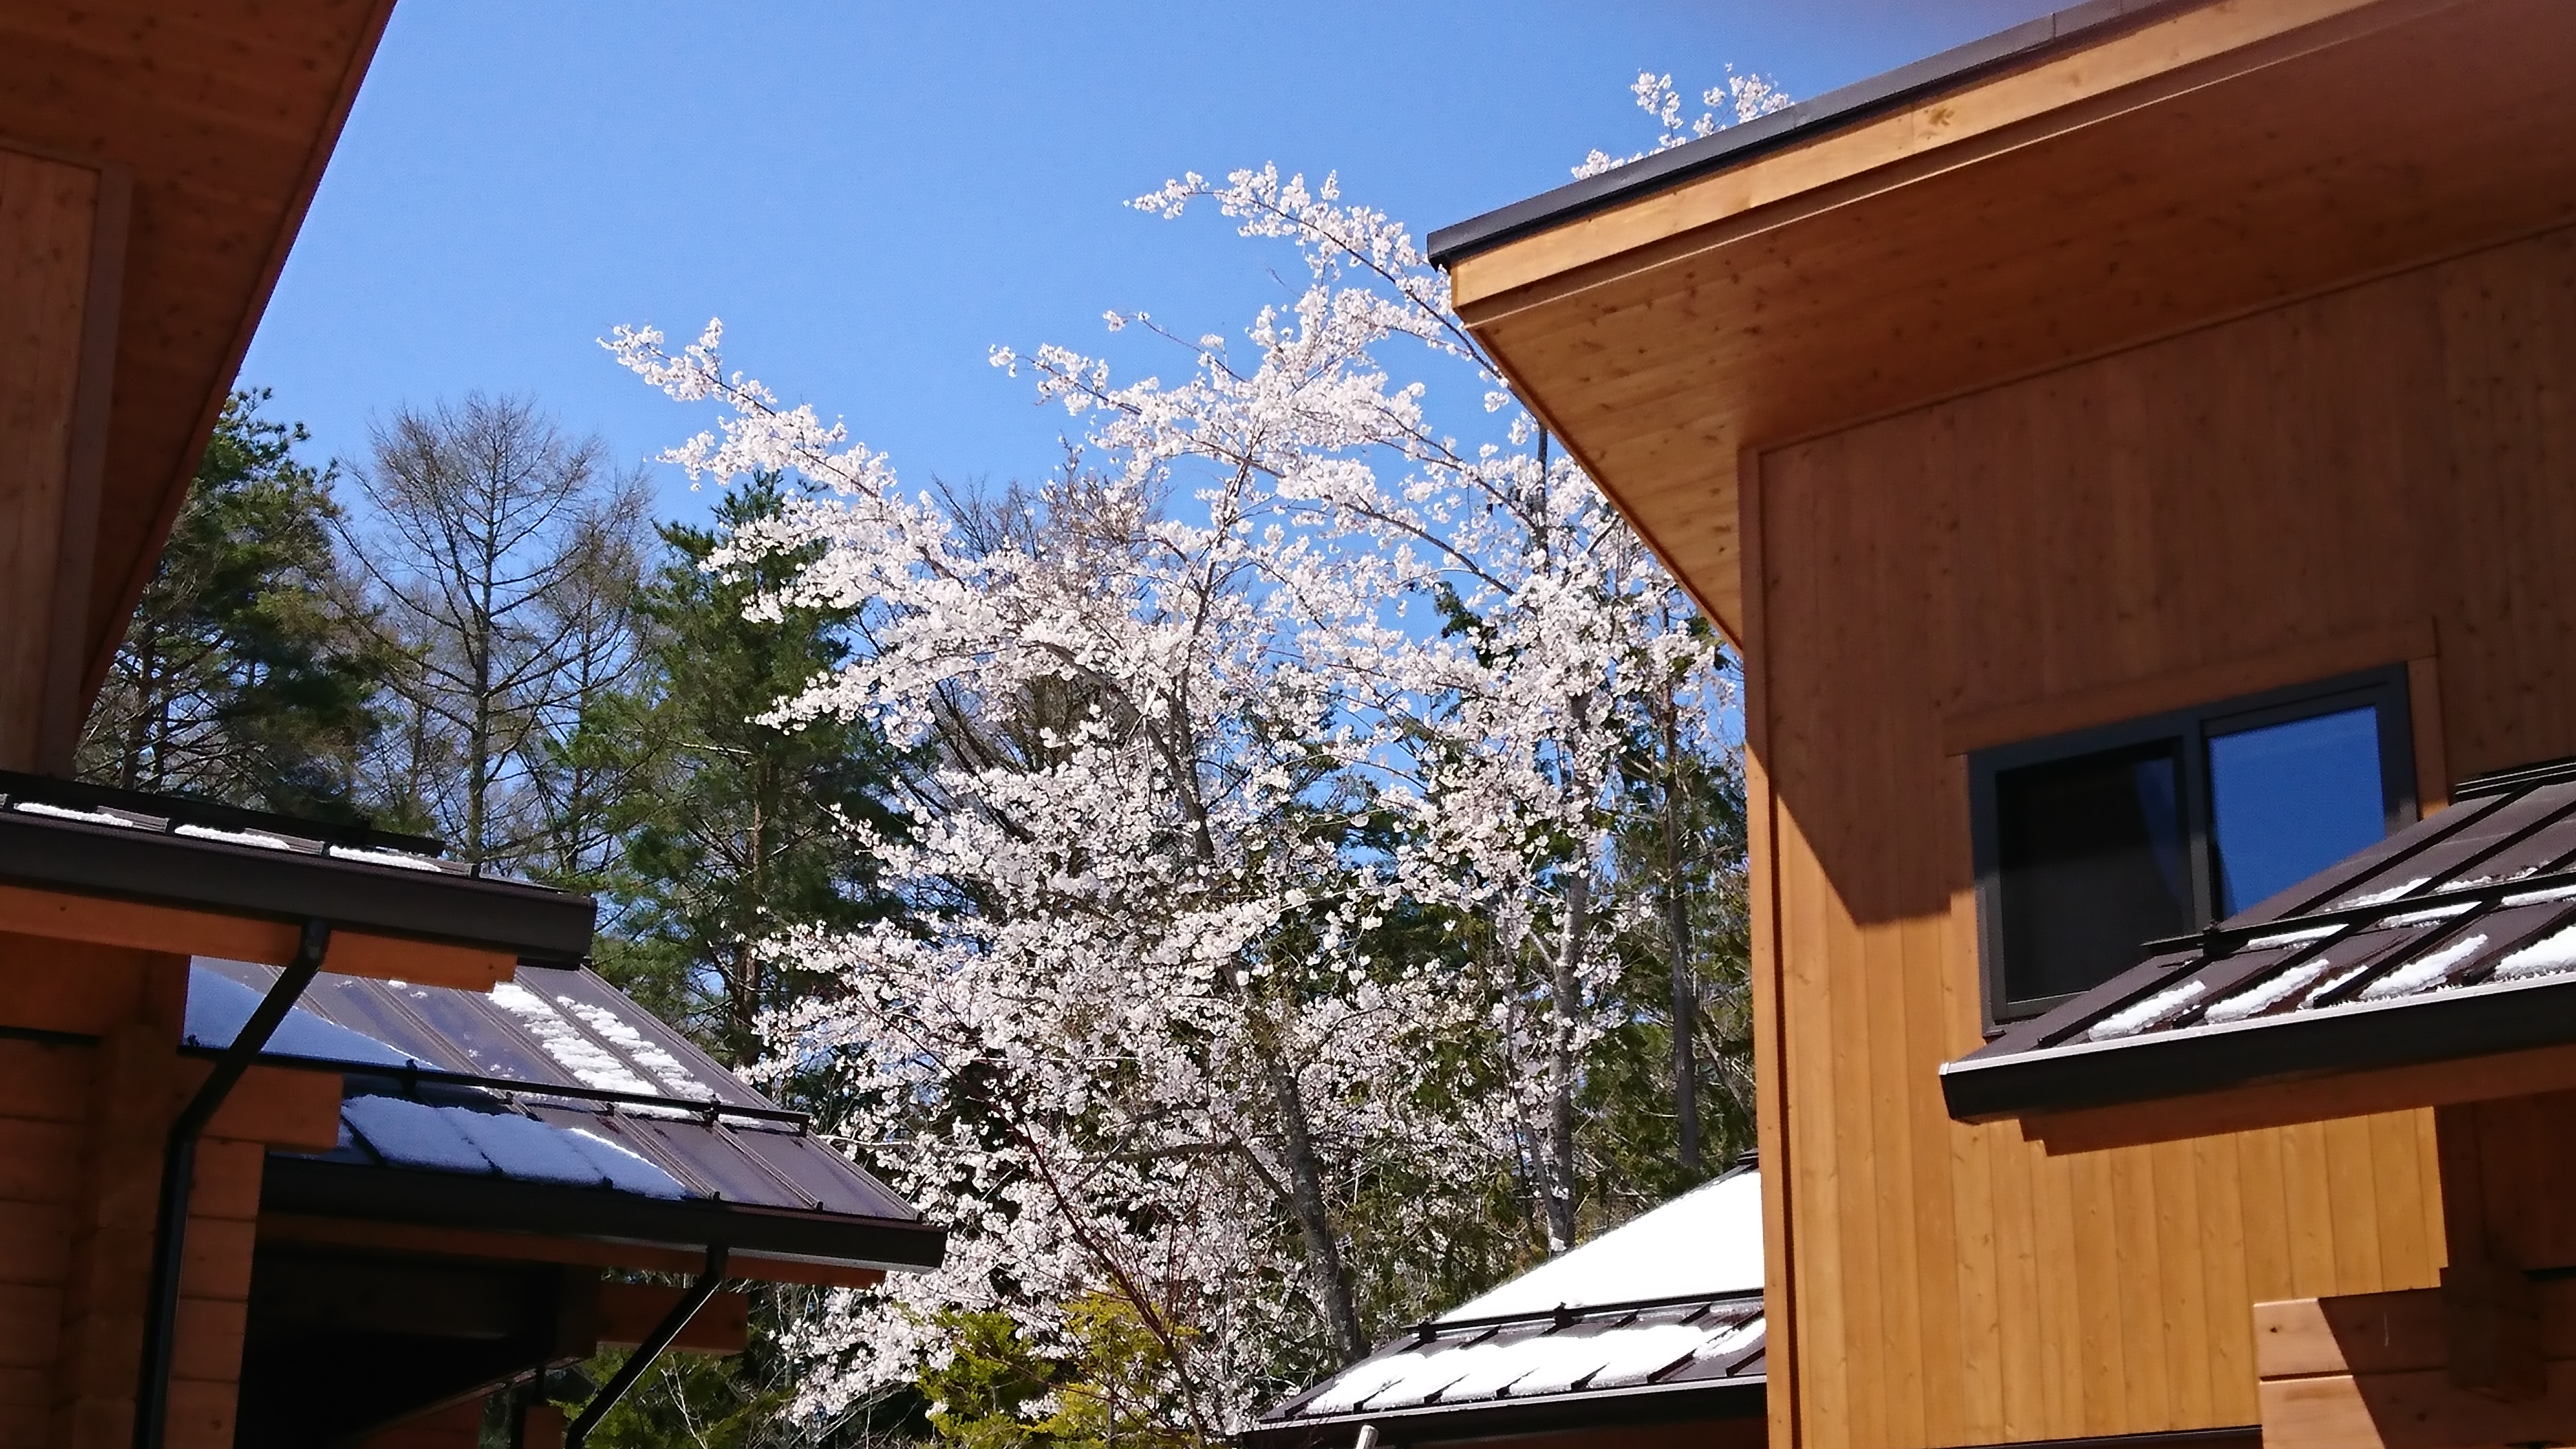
(873, 195)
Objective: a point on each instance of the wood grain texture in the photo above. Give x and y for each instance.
(48, 211)
(98, 921)
(2224, 186)
(2381, 469)
(1929, 129)
(2381, 1368)
(223, 113)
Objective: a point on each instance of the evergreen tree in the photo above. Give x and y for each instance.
(741, 827)
(242, 678)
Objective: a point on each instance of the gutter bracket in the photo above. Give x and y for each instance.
(179, 1173)
(646, 1353)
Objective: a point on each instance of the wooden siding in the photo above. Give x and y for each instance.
(2359, 464)
(222, 112)
(82, 1126)
(2216, 160)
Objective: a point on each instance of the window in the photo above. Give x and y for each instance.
(2091, 844)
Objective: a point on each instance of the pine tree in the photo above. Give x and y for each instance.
(242, 677)
(742, 827)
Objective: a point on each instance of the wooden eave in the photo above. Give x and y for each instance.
(221, 114)
(2190, 164)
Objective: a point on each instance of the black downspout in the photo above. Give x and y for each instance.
(178, 1179)
(641, 1360)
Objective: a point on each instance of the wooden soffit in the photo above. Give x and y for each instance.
(222, 113)
(2194, 164)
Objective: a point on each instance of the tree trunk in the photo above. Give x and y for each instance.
(1330, 1285)
(1677, 927)
(1568, 1004)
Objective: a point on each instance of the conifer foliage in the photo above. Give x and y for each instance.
(242, 677)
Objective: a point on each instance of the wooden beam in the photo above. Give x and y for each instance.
(2315, 1099)
(274, 1106)
(2419, 1410)
(2189, 50)
(51, 215)
(629, 1312)
(531, 1248)
(2385, 1369)
(67, 689)
(100, 921)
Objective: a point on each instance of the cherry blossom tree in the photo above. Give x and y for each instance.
(1264, 864)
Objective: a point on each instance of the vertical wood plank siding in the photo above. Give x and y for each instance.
(2397, 452)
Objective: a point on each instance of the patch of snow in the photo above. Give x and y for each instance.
(2133, 1018)
(86, 817)
(258, 839)
(1633, 1353)
(652, 1055)
(1708, 1240)
(2416, 975)
(591, 1064)
(413, 1134)
(2547, 956)
(2263, 995)
(400, 860)
(2378, 897)
(1364, 1381)
(624, 1169)
(2299, 937)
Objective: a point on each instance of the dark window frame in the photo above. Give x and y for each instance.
(2384, 689)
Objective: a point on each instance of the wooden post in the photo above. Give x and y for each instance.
(101, 1342)
(62, 256)
(2491, 1323)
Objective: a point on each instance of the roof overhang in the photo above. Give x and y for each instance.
(220, 115)
(2436, 967)
(2117, 173)
(157, 873)
(309, 1189)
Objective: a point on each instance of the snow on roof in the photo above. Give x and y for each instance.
(1707, 1241)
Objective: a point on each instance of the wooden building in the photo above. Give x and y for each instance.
(2136, 458)
(307, 1137)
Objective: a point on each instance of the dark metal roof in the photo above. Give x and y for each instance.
(1793, 125)
(2455, 937)
(1573, 1343)
(85, 840)
(552, 1105)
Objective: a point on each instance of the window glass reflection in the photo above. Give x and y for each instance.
(2093, 861)
(2290, 799)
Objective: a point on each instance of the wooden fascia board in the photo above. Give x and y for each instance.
(2063, 92)
(2313, 1099)
(99, 921)
(109, 610)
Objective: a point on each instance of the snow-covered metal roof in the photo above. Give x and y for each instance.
(552, 1104)
(1707, 1242)
(1660, 1318)
(2455, 937)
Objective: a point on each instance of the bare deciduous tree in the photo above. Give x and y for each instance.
(501, 555)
